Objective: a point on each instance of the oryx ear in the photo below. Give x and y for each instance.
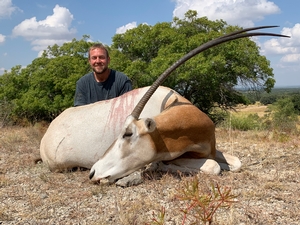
(150, 125)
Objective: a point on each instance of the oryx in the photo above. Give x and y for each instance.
(80, 135)
(172, 128)
(181, 134)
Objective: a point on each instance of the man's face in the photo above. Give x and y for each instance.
(99, 60)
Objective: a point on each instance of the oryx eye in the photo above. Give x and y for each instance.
(127, 134)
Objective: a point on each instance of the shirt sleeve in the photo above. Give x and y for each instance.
(80, 98)
(126, 87)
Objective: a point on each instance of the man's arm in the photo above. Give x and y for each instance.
(126, 87)
(80, 98)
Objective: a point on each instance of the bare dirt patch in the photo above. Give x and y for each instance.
(267, 186)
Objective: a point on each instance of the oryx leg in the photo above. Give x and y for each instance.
(227, 161)
(188, 165)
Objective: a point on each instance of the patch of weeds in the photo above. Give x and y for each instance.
(159, 218)
(201, 205)
(100, 190)
(11, 142)
(34, 135)
(275, 186)
(44, 177)
(281, 136)
(244, 122)
(3, 181)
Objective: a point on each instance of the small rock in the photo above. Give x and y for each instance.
(131, 180)
(43, 196)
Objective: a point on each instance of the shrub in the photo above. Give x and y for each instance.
(6, 108)
(283, 115)
(296, 102)
(243, 122)
(218, 115)
(268, 99)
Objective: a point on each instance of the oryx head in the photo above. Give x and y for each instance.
(135, 146)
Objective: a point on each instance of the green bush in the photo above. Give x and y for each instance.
(6, 108)
(282, 118)
(243, 122)
(283, 115)
(268, 99)
(296, 102)
(218, 115)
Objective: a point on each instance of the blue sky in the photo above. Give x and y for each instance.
(28, 27)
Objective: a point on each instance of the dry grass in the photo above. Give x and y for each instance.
(267, 186)
(258, 109)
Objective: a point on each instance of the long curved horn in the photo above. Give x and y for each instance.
(234, 35)
(245, 30)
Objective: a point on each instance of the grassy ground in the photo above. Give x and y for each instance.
(266, 188)
(259, 109)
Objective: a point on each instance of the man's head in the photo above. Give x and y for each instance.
(99, 58)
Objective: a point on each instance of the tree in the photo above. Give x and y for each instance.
(207, 80)
(296, 101)
(46, 87)
(138, 47)
(10, 89)
(11, 84)
(284, 115)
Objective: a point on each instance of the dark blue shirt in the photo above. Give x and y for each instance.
(88, 90)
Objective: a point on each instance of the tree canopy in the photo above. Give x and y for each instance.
(46, 87)
(208, 79)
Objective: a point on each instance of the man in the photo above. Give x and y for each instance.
(103, 83)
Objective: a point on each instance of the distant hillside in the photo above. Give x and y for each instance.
(269, 98)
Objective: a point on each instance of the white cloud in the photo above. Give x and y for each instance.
(245, 13)
(275, 46)
(2, 38)
(6, 8)
(235, 12)
(128, 26)
(284, 53)
(289, 47)
(291, 58)
(294, 32)
(55, 29)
